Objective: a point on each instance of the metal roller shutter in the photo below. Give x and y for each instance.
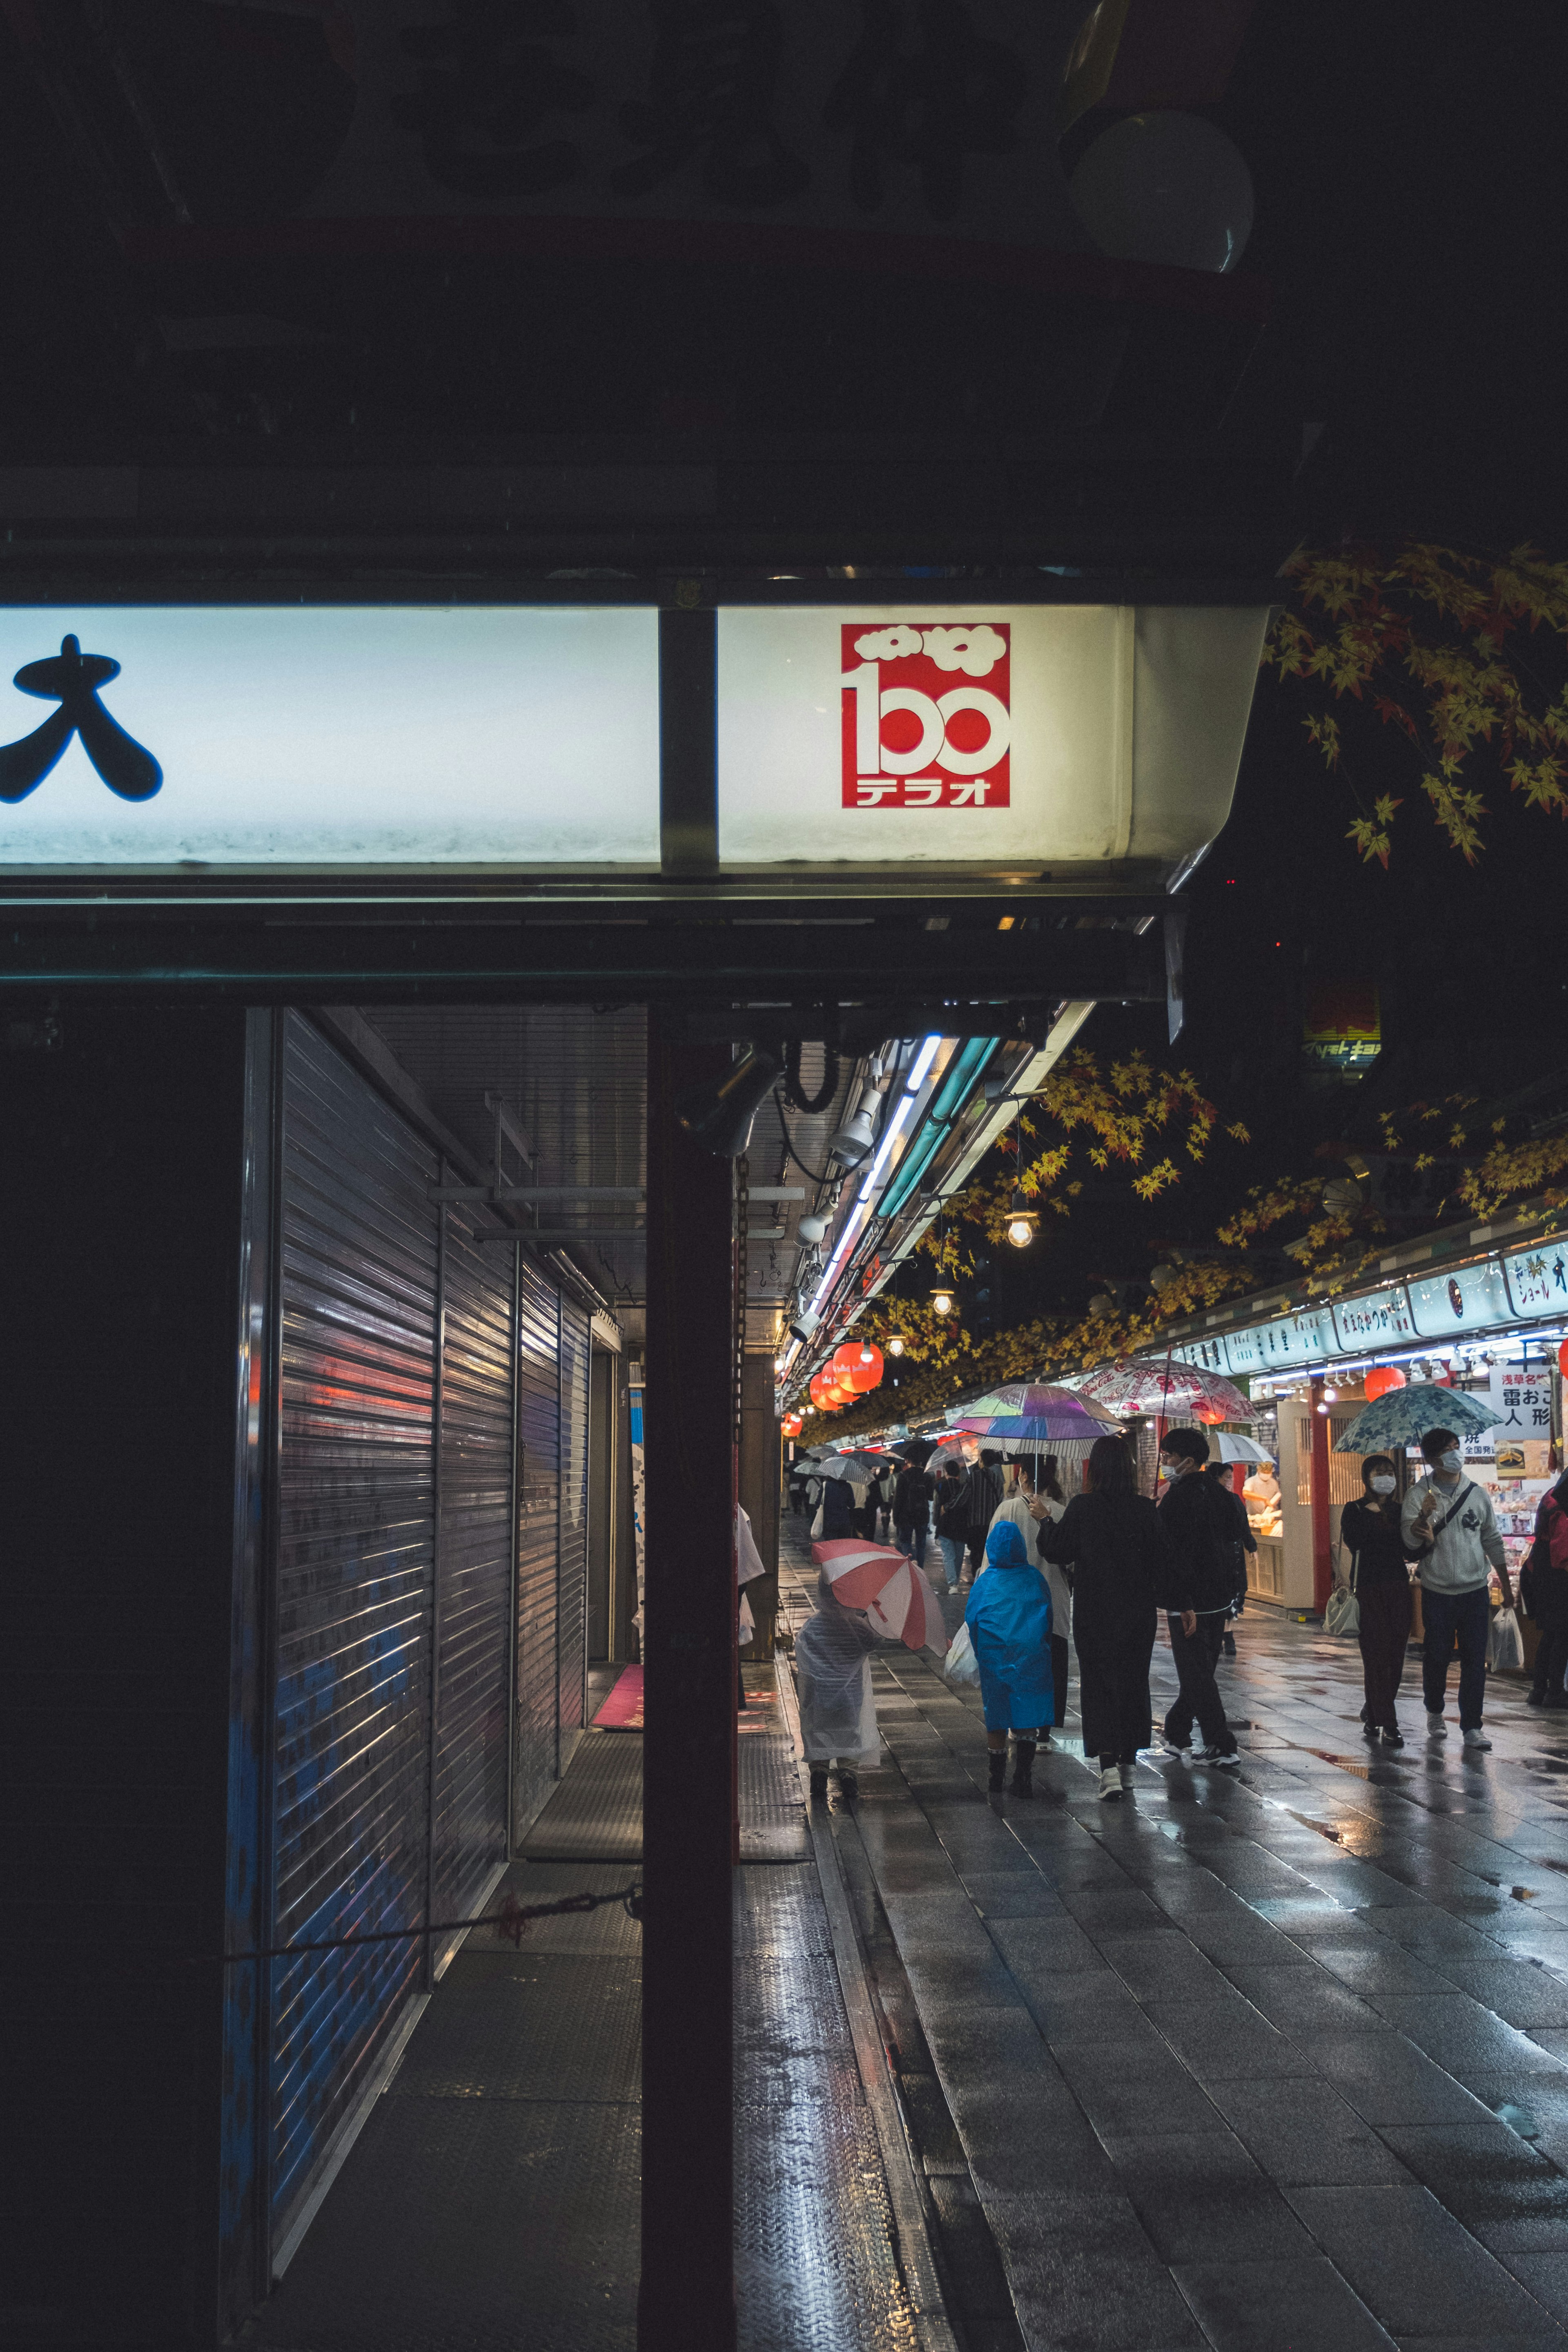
(573, 1638)
(475, 1576)
(538, 1544)
(353, 1590)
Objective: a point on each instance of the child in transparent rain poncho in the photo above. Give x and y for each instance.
(838, 1708)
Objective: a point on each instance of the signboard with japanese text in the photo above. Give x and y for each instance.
(1047, 736)
(1538, 1278)
(1472, 1298)
(193, 737)
(1522, 1399)
(1380, 1319)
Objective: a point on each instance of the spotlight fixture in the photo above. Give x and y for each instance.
(803, 1325)
(718, 1116)
(812, 1231)
(855, 1137)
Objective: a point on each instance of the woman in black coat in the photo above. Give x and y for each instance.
(1124, 1573)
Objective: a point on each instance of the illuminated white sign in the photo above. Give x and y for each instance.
(384, 735)
(1055, 734)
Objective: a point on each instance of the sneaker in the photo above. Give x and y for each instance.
(1110, 1783)
(1126, 1775)
(1217, 1757)
(1435, 1727)
(1477, 1738)
(1169, 1747)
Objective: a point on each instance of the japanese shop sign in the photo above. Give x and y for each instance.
(1005, 735)
(1538, 1278)
(1521, 1400)
(263, 736)
(1470, 1298)
(1378, 1320)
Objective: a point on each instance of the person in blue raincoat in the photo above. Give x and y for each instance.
(1009, 1622)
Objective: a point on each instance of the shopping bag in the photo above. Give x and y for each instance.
(1505, 1643)
(1342, 1618)
(961, 1664)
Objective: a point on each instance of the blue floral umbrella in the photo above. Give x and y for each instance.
(1403, 1417)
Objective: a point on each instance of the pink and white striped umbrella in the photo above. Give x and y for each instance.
(857, 1570)
(1169, 1389)
(906, 1611)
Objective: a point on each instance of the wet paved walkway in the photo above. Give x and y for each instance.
(1277, 2058)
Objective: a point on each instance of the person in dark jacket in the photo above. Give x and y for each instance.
(911, 1513)
(951, 1503)
(987, 1482)
(1380, 1578)
(1200, 1531)
(1124, 1572)
(1220, 1473)
(837, 1509)
(1543, 1587)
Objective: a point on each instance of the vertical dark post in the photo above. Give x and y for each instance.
(1322, 1557)
(433, 1756)
(688, 2292)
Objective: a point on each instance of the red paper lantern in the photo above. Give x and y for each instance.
(792, 1424)
(863, 1377)
(1563, 1358)
(1381, 1378)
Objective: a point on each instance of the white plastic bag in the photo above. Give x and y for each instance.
(1342, 1617)
(1505, 1643)
(961, 1664)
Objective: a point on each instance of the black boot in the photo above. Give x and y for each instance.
(848, 1786)
(1023, 1781)
(819, 1784)
(997, 1760)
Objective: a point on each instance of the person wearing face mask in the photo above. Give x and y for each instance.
(1380, 1578)
(1210, 1571)
(1448, 1526)
(1543, 1581)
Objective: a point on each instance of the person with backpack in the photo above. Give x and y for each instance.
(911, 1513)
(1380, 1578)
(1449, 1528)
(1543, 1588)
(1201, 1534)
(1220, 1473)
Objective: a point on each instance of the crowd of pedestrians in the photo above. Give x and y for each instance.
(1040, 1575)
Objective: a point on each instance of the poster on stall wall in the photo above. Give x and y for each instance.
(635, 1389)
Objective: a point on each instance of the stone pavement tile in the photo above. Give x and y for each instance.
(1543, 2098)
(1469, 2040)
(1370, 1972)
(1085, 2278)
(1389, 2081)
(1501, 2187)
(1126, 2087)
(943, 1977)
(1029, 2135)
(968, 1852)
(1123, 1912)
(1360, 1883)
(979, 2044)
(1223, 2042)
(1012, 1895)
(936, 1922)
(1521, 1993)
(1415, 2268)
(1304, 1999)
(1095, 2006)
(1161, 1967)
(1044, 1946)
(1237, 1936)
(1200, 2197)
(1304, 2134)
(1296, 2306)
(1545, 2276)
(1432, 1934)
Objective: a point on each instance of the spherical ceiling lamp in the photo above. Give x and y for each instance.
(1168, 188)
(812, 1230)
(1102, 1304)
(1161, 1277)
(1341, 1196)
(1381, 1378)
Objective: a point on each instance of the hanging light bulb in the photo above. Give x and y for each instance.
(1021, 1221)
(941, 1300)
(896, 1344)
(868, 1353)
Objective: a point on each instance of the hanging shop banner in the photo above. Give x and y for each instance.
(1055, 735)
(336, 736)
(1472, 1298)
(1522, 1399)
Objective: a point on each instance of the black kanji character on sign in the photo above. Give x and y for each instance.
(72, 680)
(925, 86)
(487, 83)
(711, 93)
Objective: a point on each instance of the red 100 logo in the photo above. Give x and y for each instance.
(921, 731)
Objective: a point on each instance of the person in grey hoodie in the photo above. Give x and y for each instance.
(1449, 1529)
